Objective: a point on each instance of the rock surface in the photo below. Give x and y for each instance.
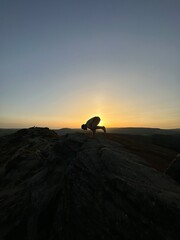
(79, 187)
(174, 169)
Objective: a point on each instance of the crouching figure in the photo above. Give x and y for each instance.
(92, 124)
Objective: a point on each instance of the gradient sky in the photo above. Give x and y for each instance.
(64, 61)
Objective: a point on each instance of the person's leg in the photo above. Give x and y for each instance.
(104, 129)
(101, 127)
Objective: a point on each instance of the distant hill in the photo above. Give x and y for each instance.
(143, 131)
(127, 130)
(7, 131)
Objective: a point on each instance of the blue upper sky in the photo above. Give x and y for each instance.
(62, 62)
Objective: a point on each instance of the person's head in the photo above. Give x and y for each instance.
(84, 127)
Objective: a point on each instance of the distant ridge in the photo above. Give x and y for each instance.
(143, 131)
(124, 130)
(7, 131)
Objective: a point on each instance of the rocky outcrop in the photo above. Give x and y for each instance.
(80, 187)
(174, 169)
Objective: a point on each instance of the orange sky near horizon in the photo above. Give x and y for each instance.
(122, 118)
(117, 106)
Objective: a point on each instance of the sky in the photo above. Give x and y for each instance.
(65, 61)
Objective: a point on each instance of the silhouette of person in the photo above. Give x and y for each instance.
(92, 124)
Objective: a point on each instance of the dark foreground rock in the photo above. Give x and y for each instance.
(79, 187)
